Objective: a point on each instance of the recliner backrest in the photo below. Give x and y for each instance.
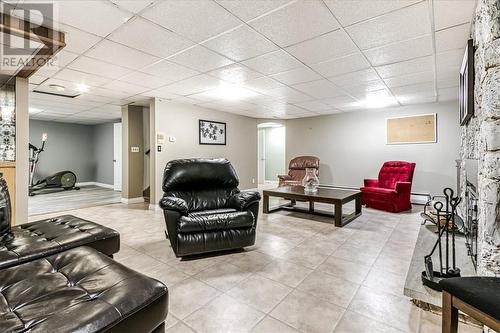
(395, 171)
(203, 183)
(5, 207)
(297, 166)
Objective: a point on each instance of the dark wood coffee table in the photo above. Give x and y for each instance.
(334, 196)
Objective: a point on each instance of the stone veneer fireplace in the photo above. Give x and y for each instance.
(480, 139)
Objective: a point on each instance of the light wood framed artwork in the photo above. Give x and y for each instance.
(411, 129)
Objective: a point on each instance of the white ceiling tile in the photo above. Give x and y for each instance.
(79, 77)
(415, 99)
(448, 13)
(201, 59)
(400, 51)
(95, 98)
(288, 94)
(452, 38)
(250, 9)
(99, 68)
(352, 11)
(409, 79)
(408, 22)
(315, 106)
(37, 79)
(125, 87)
(121, 55)
(449, 59)
(145, 80)
(78, 41)
(332, 45)
(99, 17)
(240, 44)
(160, 93)
(415, 93)
(342, 65)
(150, 38)
(272, 63)
(446, 75)
(354, 78)
(451, 82)
(448, 94)
(170, 71)
(133, 6)
(319, 89)
(263, 84)
(297, 22)
(196, 20)
(116, 94)
(406, 67)
(235, 73)
(192, 85)
(63, 58)
(361, 89)
(299, 75)
(340, 102)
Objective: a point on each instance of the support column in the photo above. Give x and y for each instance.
(22, 154)
(132, 154)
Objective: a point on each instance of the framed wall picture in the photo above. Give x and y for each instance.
(411, 129)
(466, 85)
(212, 132)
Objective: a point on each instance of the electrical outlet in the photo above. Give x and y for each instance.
(158, 149)
(253, 180)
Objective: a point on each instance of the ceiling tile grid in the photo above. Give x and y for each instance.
(283, 58)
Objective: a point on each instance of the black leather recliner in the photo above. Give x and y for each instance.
(204, 209)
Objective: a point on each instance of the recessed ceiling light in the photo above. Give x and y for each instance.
(57, 87)
(376, 99)
(82, 87)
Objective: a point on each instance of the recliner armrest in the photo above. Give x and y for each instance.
(242, 200)
(371, 182)
(285, 177)
(403, 187)
(174, 203)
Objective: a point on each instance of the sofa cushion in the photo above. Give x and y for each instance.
(80, 290)
(379, 191)
(38, 239)
(220, 221)
(5, 208)
(482, 293)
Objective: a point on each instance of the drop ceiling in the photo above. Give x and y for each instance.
(276, 59)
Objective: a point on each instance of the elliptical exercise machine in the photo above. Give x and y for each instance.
(64, 179)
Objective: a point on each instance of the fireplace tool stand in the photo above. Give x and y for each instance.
(447, 230)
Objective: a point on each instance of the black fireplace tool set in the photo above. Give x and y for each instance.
(446, 227)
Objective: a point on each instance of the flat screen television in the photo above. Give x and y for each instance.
(466, 85)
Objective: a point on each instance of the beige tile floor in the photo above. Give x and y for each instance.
(303, 274)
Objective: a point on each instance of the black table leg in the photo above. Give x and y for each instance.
(338, 215)
(265, 205)
(311, 206)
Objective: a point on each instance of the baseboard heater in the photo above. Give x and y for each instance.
(416, 198)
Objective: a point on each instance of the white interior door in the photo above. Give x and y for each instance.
(117, 155)
(261, 167)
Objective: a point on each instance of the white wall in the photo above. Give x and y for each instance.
(181, 122)
(352, 146)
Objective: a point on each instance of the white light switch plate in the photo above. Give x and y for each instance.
(134, 149)
(171, 139)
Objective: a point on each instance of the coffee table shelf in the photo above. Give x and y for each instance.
(334, 196)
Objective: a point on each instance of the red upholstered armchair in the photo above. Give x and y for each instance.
(391, 191)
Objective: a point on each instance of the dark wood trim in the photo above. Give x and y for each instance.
(466, 110)
(54, 41)
(451, 306)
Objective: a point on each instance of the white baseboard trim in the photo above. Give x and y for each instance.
(95, 184)
(154, 207)
(419, 199)
(129, 201)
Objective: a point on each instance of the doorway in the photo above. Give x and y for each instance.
(271, 153)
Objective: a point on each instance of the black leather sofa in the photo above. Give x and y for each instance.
(204, 209)
(49, 282)
(80, 290)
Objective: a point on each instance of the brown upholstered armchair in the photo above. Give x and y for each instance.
(297, 170)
